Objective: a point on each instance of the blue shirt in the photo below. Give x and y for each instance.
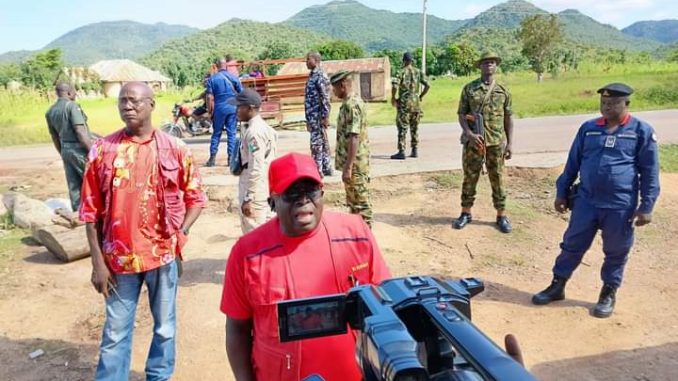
(614, 168)
(223, 85)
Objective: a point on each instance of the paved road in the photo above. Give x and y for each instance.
(539, 142)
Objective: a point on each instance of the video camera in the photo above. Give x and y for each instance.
(410, 329)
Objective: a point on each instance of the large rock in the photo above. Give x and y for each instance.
(10, 198)
(65, 244)
(29, 213)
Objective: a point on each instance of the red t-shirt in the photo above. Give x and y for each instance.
(266, 267)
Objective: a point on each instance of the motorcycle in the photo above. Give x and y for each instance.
(188, 121)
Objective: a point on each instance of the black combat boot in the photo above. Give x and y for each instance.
(398, 156)
(211, 162)
(606, 301)
(556, 291)
(414, 152)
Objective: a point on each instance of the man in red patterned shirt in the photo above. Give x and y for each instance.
(141, 194)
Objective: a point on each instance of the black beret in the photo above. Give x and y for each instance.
(407, 57)
(615, 90)
(338, 76)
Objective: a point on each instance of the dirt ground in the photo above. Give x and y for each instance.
(47, 305)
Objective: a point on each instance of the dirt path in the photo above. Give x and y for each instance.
(51, 306)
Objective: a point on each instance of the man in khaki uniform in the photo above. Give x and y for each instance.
(68, 127)
(258, 143)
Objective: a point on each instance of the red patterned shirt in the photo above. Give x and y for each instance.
(134, 241)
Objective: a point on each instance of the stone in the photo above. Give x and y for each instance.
(30, 213)
(9, 198)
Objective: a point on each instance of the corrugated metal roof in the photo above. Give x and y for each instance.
(126, 71)
(360, 65)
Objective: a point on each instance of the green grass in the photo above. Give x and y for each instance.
(449, 180)
(656, 84)
(668, 158)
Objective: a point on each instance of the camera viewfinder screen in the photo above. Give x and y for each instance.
(300, 319)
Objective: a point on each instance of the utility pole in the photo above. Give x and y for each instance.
(423, 43)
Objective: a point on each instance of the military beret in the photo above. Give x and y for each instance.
(407, 56)
(615, 90)
(338, 76)
(488, 56)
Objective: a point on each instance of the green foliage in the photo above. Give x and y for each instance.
(668, 158)
(42, 70)
(372, 29)
(663, 31)
(9, 72)
(339, 50)
(394, 56)
(673, 54)
(540, 37)
(460, 59)
(186, 60)
(502, 41)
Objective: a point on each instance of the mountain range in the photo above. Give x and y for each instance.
(350, 20)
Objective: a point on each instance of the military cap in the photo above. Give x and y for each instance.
(488, 56)
(407, 56)
(615, 90)
(247, 97)
(338, 76)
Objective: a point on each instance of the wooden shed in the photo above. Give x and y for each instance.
(373, 75)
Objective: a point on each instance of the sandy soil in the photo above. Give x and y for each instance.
(51, 306)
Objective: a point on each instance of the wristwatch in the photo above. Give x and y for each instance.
(185, 231)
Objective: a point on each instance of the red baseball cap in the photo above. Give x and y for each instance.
(289, 168)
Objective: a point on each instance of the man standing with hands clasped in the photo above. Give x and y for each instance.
(615, 158)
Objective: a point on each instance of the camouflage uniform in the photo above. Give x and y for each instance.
(409, 113)
(62, 118)
(498, 105)
(317, 107)
(352, 120)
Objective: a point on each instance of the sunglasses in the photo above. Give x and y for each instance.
(296, 193)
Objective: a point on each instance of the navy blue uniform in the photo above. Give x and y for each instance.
(223, 86)
(613, 169)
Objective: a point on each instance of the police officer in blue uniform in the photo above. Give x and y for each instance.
(221, 87)
(615, 158)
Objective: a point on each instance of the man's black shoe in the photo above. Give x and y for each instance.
(504, 224)
(328, 173)
(211, 162)
(414, 152)
(463, 220)
(398, 156)
(556, 291)
(606, 301)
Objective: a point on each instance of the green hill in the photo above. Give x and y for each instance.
(243, 39)
(107, 40)
(579, 28)
(506, 15)
(583, 29)
(665, 31)
(371, 28)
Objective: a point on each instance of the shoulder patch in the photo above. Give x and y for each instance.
(252, 145)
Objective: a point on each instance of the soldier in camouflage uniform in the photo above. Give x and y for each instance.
(67, 125)
(317, 107)
(353, 147)
(406, 83)
(492, 100)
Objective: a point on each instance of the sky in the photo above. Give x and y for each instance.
(32, 24)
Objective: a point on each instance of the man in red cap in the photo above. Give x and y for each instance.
(302, 252)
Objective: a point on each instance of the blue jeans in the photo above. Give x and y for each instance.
(116, 341)
(223, 121)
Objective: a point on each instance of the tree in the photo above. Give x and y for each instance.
(673, 55)
(460, 59)
(42, 70)
(340, 50)
(9, 72)
(541, 36)
(394, 56)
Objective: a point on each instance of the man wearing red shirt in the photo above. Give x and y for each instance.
(141, 194)
(303, 252)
